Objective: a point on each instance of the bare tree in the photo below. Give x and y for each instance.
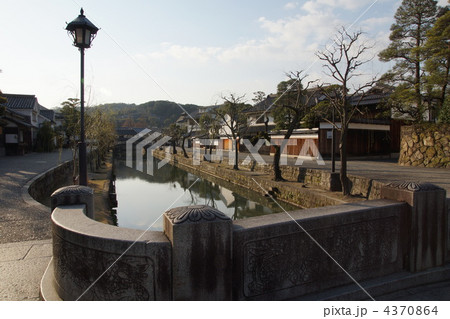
(186, 133)
(101, 134)
(294, 97)
(342, 61)
(231, 113)
(210, 128)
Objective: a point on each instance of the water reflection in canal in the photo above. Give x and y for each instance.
(142, 198)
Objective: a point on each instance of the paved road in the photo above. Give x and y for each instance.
(383, 170)
(22, 265)
(25, 231)
(389, 171)
(17, 221)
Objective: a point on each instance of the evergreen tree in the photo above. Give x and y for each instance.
(71, 124)
(444, 114)
(45, 138)
(3, 101)
(71, 127)
(437, 64)
(413, 19)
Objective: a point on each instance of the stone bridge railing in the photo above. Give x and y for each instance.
(384, 245)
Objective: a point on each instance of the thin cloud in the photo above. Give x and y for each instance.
(282, 45)
(376, 22)
(315, 6)
(284, 39)
(291, 5)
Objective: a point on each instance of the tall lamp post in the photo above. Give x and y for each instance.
(333, 141)
(83, 32)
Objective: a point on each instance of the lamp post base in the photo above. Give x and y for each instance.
(82, 163)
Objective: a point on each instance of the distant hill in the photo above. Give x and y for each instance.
(152, 114)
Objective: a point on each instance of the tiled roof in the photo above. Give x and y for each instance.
(126, 131)
(369, 99)
(268, 103)
(20, 101)
(48, 114)
(264, 105)
(18, 118)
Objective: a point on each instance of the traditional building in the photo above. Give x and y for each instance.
(22, 118)
(370, 132)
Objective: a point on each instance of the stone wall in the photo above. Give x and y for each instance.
(448, 234)
(426, 145)
(317, 178)
(43, 186)
(304, 197)
(137, 264)
(282, 262)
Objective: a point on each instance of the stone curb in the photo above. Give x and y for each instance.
(385, 286)
(47, 291)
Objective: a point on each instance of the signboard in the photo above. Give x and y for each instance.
(329, 135)
(11, 139)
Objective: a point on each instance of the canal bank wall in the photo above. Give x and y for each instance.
(323, 179)
(305, 188)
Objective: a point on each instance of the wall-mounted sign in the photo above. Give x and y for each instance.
(11, 139)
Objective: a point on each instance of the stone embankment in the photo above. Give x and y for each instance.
(323, 179)
(303, 187)
(44, 184)
(425, 145)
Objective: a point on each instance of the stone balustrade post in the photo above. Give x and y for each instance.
(74, 195)
(201, 238)
(428, 221)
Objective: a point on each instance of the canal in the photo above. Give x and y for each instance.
(142, 198)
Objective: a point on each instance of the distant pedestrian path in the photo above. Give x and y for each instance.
(382, 170)
(389, 171)
(18, 220)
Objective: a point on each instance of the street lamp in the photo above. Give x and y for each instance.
(83, 32)
(333, 141)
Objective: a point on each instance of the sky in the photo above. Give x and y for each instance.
(194, 51)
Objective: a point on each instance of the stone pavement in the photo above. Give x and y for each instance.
(25, 229)
(17, 222)
(387, 170)
(22, 266)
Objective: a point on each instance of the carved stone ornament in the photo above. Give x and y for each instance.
(119, 277)
(194, 214)
(293, 260)
(73, 190)
(414, 186)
